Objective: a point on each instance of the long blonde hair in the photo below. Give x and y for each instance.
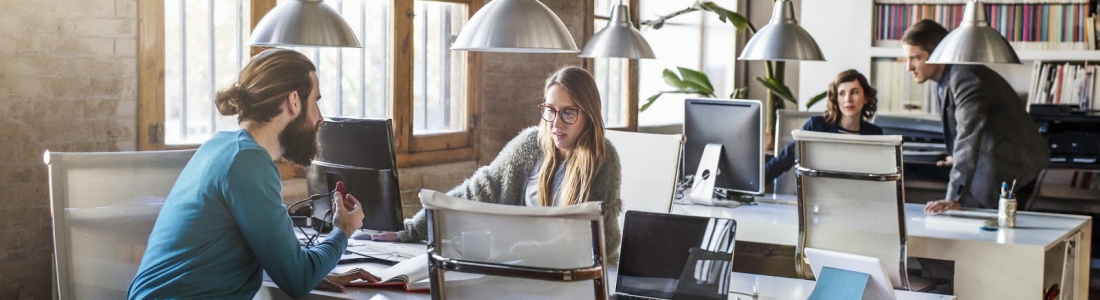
(584, 163)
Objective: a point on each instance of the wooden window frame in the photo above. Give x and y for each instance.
(412, 150)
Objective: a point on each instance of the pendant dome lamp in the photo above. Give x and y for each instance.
(782, 39)
(974, 42)
(618, 39)
(310, 23)
(520, 26)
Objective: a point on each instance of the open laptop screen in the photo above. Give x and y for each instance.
(675, 256)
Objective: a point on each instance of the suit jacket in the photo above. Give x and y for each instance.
(989, 134)
(784, 160)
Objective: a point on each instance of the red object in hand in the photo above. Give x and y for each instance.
(344, 194)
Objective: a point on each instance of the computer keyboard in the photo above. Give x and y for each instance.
(620, 296)
(388, 251)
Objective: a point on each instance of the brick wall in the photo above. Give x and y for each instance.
(68, 82)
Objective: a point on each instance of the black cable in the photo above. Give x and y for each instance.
(327, 217)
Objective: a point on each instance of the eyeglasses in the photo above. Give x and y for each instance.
(568, 115)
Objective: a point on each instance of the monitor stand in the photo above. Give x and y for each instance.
(702, 189)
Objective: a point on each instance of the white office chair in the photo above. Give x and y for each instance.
(850, 199)
(787, 120)
(650, 167)
(104, 206)
(514, 252)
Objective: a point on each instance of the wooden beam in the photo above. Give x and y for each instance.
(632, 98)
(401, 70)
(150, 75)
(259, 9)
(406, 160)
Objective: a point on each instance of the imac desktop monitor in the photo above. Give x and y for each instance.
(725, 146)
(359, 152)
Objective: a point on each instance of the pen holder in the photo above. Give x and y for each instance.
(1006, 212)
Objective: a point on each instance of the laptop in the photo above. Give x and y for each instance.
(666, 256)
(880, 282)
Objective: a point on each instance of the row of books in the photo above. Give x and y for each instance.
(1065, 83)
(983, 1)
(897, 92)
(1053, 26)
(1085, 180)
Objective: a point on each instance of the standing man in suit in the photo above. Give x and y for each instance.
(990, 137)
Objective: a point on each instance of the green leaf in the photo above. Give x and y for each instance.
(816, 98)
(737, 20)
(697, 79)
(649, 101)
(674, 80)
(777, 88)
(739, 93)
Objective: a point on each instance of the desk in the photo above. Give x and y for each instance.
(770, 288)
(1011, 263)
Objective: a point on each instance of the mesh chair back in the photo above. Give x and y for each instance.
(493, 251)
(104, 206)
(850, 198)
(786, 121)
(650, 166)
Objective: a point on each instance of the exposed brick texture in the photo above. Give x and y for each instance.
(68, 82)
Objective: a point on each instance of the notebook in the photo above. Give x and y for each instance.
(666, 256)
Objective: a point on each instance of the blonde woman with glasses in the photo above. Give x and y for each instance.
(564, 160)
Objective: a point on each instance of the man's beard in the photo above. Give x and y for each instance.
(299, 141)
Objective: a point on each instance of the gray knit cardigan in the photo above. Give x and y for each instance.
(504, 181)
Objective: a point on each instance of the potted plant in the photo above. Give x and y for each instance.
(688, 81)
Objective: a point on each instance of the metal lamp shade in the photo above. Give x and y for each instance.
(525, 26)
(974, 42)
(618, 39)
(782, 39)
(303, 23)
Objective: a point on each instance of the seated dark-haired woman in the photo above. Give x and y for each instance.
(851, 102)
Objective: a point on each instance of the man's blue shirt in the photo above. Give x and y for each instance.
(223, 224)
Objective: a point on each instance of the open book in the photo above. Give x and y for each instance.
(411, 274)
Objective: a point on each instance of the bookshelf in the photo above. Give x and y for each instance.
(1029, 55)
(847, 32)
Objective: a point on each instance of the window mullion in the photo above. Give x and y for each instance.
(401, 82)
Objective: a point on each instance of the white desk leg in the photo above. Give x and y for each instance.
(1084, 254)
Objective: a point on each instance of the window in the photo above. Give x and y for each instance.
(354, 80)
(613, 75)
(696, 40)
(205, 46)
(439, 81)
(201, 45)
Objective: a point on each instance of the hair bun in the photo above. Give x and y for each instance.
(229, 100)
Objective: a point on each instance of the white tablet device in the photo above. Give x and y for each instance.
(880, 282)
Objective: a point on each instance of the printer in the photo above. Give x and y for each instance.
(1073, 133)
(922, 135)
